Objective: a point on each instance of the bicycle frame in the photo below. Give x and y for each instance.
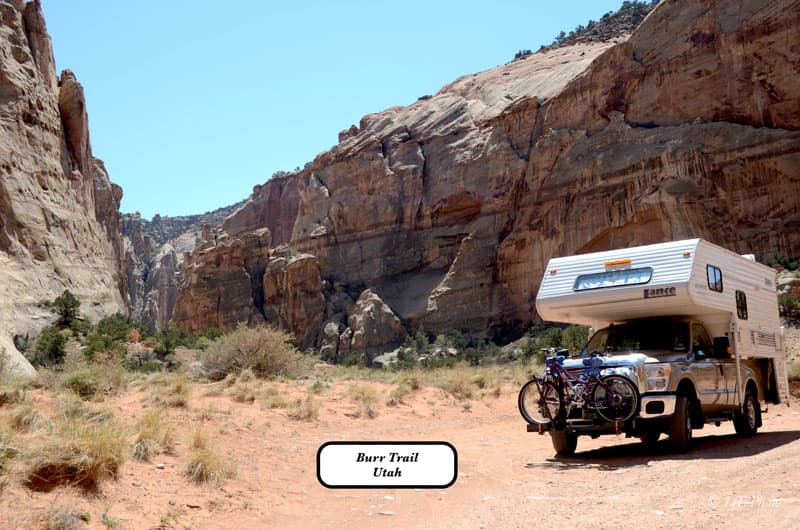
(576, 390)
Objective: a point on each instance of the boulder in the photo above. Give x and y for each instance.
(375, 327)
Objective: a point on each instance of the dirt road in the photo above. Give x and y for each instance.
(507, 477)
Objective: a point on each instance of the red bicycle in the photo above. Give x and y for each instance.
(553, 396)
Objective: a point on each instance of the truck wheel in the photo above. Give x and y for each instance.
(564, 442)
(745, 421)
(680, 432)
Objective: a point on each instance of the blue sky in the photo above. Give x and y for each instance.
(191, 103)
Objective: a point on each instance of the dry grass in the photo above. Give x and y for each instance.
(318, 387)
(12, 390)
(246, 375)
(169, 389)
(75, 451)
(273, 399)
(70, 406)
(7, 454)
(24, 417)
(153, 436)
(459, 384)
(205, 465)
(63, 518)
(199, 438)
(397, 396)
(243, 392)
(304, 409)
(366, 397)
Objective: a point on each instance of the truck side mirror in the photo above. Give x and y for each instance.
(721, 347)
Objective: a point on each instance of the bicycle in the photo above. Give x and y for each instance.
(553, 396)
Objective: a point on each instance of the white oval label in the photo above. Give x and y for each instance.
(387, 465)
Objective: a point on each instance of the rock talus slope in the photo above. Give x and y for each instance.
(59, 212)
(448, 209)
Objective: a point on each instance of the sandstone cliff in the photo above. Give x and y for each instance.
(154, 255)
(59, 212)
(448, 209)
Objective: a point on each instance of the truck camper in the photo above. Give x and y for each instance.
(687, 334)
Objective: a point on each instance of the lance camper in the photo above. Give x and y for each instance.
(693, 327)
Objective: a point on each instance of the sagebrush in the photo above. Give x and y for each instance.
(265, 351)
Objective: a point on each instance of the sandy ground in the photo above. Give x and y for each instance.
(507, 478)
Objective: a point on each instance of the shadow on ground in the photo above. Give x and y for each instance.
(703, 447)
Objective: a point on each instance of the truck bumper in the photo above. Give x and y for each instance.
(657, 405)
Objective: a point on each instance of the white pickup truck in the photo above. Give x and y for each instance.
(692, 327)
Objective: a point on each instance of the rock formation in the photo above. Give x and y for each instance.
(154, 255)
(59, 212)
(448, 209)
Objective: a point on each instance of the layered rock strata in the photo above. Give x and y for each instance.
(59, 212)
(448, 209)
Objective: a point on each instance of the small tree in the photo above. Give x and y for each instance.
(66, 307)
(50, 347)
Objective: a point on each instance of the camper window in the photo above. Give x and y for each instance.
(741, 305)
(714, 278)
(616, 278)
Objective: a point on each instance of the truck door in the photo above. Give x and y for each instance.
(709, 374)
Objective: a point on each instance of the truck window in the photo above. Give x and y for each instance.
(741, 305)
(700, 340)
(641, 335)
(714, 278)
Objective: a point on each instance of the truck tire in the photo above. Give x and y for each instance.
(745, 421)
(680, 431)
(564, 443)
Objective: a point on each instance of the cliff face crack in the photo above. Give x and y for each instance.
(424, 176)
(520, 154)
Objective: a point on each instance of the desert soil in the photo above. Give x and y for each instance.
(507, 478)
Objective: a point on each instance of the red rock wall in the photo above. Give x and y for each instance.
(449, 209)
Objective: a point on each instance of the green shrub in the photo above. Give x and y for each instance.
(99, 342)
(266, 351)
(352, 359)
(146, 367)
(574, 338)
(81, 325)
(84, 382)
(66, 307)
(789, 305)
(50, 347)
(784, 261)
(115, 326)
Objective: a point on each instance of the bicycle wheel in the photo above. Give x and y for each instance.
(615, 398)
(539, 402)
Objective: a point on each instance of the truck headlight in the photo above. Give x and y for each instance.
(624, 371)
(657, 377)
